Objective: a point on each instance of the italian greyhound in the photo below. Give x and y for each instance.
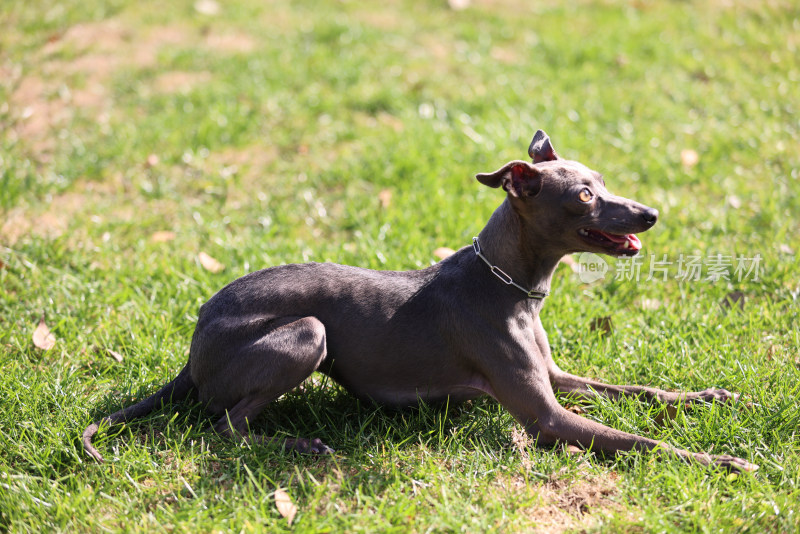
(465, 327)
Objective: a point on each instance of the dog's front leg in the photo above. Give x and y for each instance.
(524, 389)
(564, 382)
(588, 388)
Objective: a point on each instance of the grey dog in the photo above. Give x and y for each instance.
(465, 327)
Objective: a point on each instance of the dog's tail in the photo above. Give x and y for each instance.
(178, 389)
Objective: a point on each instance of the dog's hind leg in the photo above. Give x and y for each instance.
(261, 371)
(235, 421)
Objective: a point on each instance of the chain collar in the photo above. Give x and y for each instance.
(506, 279)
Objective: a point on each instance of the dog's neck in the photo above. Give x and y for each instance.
(505, 243)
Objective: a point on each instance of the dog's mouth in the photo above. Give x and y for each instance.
(616, 244)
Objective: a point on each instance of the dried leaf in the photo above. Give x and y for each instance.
(572, 449)
(667, 414)
(786, 249)
(458, 5)
(42, 337)
(162, 236)
(207, 7)
(772, 351)
(209, 263)
(570, 261)
(285, 505)
(152, 161)
(116, 355)
(603, 324)
(689, 157)
(574, 408)
(391, 121)
(734, 298)
(443, 252)
(522, 441)
(650, 304)
(734, 202)
(385, 196)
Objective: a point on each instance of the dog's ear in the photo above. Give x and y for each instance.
(541, 149)
(518, 178)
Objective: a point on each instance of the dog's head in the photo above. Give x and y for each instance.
(565, 205)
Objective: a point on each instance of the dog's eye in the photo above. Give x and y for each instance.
(585, 195)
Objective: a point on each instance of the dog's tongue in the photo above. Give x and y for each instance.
(631, 239)
(635, 244)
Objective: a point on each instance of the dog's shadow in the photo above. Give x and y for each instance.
(354, 428)
(351, 425)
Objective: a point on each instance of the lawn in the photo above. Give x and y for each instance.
(151, 152)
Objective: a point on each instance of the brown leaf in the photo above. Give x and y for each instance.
(458, 5)
(669, 413)
(571, 263)
(42, 337)
(151, 161)
(689, 157)
(734, 298)
(285, 505)
(574, 408)
(443, 252)
(385, 196)
(209, 263)
(603, 324)
(391, 121)
(522, 441)
(650, 304)
(207, 7)
(572, 449)
(162, 236)
(771, 351)
(116, 355)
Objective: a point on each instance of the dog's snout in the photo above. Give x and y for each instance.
(650, 216)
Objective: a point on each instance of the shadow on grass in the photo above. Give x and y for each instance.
(352, 427)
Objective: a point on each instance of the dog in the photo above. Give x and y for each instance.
(465, 327)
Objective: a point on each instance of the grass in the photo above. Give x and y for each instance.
(137, 135)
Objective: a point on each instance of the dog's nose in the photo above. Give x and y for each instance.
(650, 216)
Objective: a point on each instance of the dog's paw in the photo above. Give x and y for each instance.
(309, 446)
(731, 463)
(316, 446)
(715, 394)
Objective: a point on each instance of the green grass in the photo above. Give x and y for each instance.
(268, 133)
